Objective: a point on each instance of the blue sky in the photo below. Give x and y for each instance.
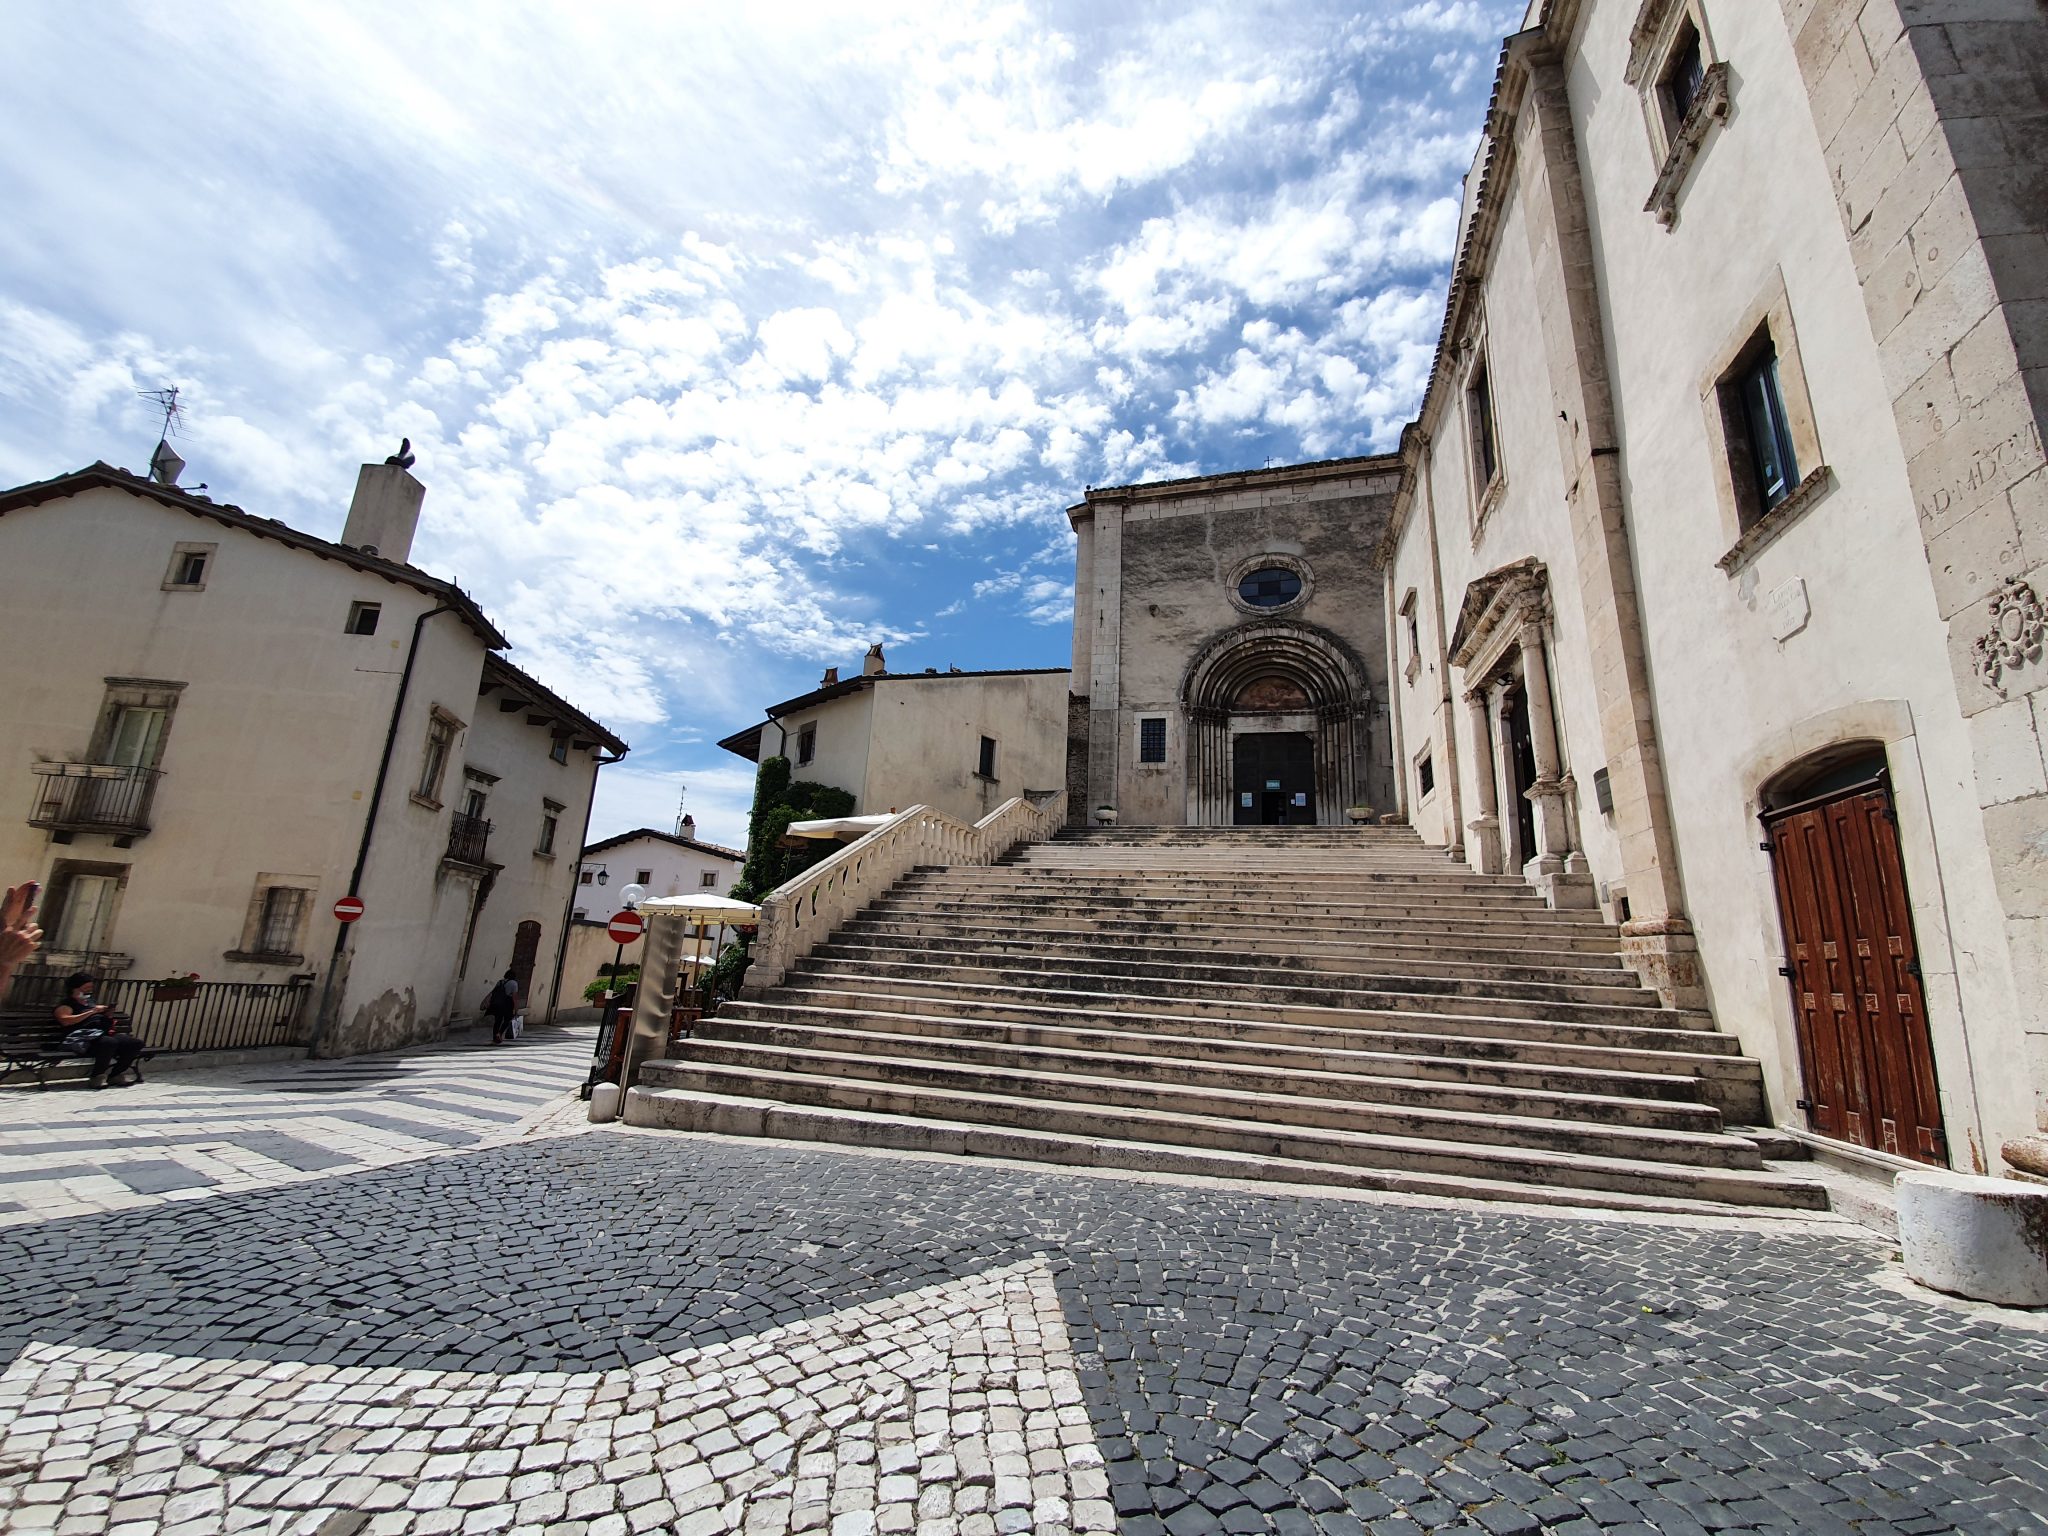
(730, 338)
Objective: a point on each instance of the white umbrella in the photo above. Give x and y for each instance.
(844, 828)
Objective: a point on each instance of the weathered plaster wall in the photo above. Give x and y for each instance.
(927, 734)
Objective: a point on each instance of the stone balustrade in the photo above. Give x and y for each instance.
(801, 914)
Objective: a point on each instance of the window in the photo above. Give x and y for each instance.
(588, 877)
(644, 877)
(1685, 75)
(137, 737)
(1272, 587)
(709, 881)
(549, 817)
(985, 765)
(1425, 777)
(559, 750)
(806, 744)
(362, 618)
(188, 567)
(441, 729)
(278, 932)
(1479, 424)
(474, 802)
(1152, 739)
(1767, 435)
(80, 907)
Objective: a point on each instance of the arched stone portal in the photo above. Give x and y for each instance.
(1276, 677)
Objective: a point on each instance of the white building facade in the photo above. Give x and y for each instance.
(222, 725)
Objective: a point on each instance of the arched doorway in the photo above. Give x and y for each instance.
(525, 951)
(1276, 726)
(1865, 1055)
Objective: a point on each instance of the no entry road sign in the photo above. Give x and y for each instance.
(349, 908)
(625, 927)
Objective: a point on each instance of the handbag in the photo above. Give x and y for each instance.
(517, 1025)
(79, 1041)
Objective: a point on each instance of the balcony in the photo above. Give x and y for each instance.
(93, 797)
(468, 840)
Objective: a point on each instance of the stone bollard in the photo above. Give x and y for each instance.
(604, 1103)
(1986, 1239)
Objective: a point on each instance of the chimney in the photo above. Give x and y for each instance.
(689, 827)
(872, 665)
(386, 512)
(831, 676)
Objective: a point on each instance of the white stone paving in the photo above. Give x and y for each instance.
(67, 1151)
(951, 1409)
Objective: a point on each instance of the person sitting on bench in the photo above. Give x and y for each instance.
(93, 1029)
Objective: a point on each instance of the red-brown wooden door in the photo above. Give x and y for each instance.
(1863, 1041)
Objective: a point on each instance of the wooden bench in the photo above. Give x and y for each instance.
(28, 1043)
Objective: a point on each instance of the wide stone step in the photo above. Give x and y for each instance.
(1237, 1016)
(1241, 948)
(1530, 1165)
(740, 1040)
(731, 1115)
(1415, 917)
(1592, 963)
(1421, 994)
(1581, 940)
(1376, 888)
(1661, 1075)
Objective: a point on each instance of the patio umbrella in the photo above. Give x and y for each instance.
(844, 829)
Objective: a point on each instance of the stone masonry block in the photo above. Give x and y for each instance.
(1942, 233)
(1828, 24)
(2029, 503)
(2007, 748)
(1973, 695)
(1916, 13)
(2010, 199)
(1995, 93)
(2007, 45)
(1879, 209)
(1880, 25)
(1972, 556)
(1890, 292)
(2029, 321)
(1881, 102)
(2017, 834)
(2019, 266)
(1928, 410)
(1942, 316)
(1994, 447)
(1839, 83)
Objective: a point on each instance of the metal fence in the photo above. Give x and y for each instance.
(187, 1016)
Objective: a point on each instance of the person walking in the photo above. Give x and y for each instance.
(501, 1004)
(91, 1028)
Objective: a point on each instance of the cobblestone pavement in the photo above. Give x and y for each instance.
(185, 1135)
(615, 1333)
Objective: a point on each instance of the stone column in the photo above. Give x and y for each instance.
(1483, 851)
(1513, 854)
(1560, 887)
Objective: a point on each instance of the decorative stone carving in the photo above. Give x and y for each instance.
(1272, 695)
(2018, 629)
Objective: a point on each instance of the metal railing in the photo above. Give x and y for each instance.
(93, 797)
(468, 839)
(185, 1016)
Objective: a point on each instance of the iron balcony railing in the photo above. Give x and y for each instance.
(184, 1015)
(93, 797)
(468, 839)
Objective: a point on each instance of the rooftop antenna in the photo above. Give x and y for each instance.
(682, 794)
(164, 465)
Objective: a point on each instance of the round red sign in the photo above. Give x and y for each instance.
(625, 927)
(349, 908)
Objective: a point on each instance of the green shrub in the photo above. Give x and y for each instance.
(610, 980)
(777, 802)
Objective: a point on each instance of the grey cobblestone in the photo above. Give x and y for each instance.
(1240, 1361)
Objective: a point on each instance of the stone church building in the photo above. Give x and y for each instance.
(1707, 588)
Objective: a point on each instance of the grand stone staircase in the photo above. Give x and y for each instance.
(1327, 1006)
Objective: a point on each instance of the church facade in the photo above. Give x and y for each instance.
(1229, 649)
(1707, 590)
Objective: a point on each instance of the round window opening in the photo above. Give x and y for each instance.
(1274, 586)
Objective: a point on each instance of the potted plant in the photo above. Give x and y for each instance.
(1359, 814)
(175, 989)
(1105, 815)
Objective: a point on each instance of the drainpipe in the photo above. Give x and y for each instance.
(575, 884)
(355, 880)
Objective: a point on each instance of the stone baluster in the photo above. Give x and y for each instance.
(1484, 849)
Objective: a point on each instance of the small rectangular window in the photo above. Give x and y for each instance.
(1425, 775)
(588, 877)
(188, 567)
(559, 752)
(986, 764)
(806, 744)
(547, 833)
(362, 618)
(644, 877)
(84, 905)
(710, 880)
(1152, 739)
(278, 933)
(1774, 468)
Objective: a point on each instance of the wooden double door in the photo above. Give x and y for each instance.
(1863, 1041)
